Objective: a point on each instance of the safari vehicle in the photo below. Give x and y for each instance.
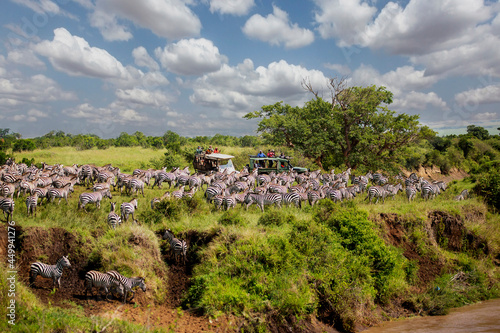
(276, 164)
(205, 163)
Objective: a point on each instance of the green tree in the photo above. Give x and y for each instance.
(355, 128)
(479, 132)
(466, 145)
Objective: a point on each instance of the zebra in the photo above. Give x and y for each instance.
(27, 187)
(87, 174)
(104, 281)
(7, 205)
(392, 190)
(128, 283)
(155, 201)
(113, 218)
(31, 203)
(411, 191)
(163, 176)
(291, 198)
(49, 271)
(93, 197)
(178, 194)
(334, 194)
(212, 191)
(314, 196)
(229, 201)
(42, 192)
(128, 208)
(194, 182)
(263, 199)
(376, 192)
(179, 247)
(463, 195)
(60, 193)
(135, 185)
(429, 191)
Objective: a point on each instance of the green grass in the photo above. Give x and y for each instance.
(291, 262)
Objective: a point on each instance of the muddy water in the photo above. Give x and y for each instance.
(482, 317)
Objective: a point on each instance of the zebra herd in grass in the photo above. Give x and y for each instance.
(224, 190)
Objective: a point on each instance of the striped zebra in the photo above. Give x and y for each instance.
(429, 191)
(376, 192)
(128, 208)
(229, 201)
(42, 192)
(178, 247)
(163, 176)
(462, 196)
(411, 192)
(86, 174)
(218, 201)
(134, 186)
(8, 189)
(291, 198)
(334, 194)
(63, 181)
(392, 190)
(263, 199)
(104, 281)
(7, 205)
(194, 182)
(212, 191)
(31, 203)
(44, 181)
(155, 201)
(60, 193)
(93, 197)
(314, 196)
(27, 187)
(178, 194)
(129, 284)
(114, 219)
(53, 272)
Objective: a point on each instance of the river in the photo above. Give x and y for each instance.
(480, 317)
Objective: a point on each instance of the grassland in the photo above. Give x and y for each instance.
(341, 263)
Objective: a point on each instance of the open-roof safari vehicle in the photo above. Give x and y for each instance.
(206, 163)
(276, 164)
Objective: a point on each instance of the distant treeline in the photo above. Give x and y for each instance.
(169, 140)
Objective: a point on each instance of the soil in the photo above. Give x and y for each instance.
(434, 173)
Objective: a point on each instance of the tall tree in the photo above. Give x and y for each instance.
(354, 128)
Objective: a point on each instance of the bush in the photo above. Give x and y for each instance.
(275, 217)
(232, 217)
(488, 186)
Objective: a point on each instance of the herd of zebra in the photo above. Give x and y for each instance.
(111, 281)
(248, 187)
(223, 189)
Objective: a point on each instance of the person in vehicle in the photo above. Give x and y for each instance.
(261, 162)
(271, 154)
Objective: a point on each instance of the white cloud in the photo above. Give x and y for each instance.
(143, 97)
(25, 57)
(41, 6)
(113, 113)
(191, 57)
(35, 89)
(37, 113)
(143, 59)
(422, 26)
(343, 19)
(484, 95)
(418, 101)
(171, 19)
(276, 29)
(234, 91)
(485, 116)
(74, 56)
(231, 7)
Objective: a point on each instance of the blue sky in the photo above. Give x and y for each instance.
(196, 67)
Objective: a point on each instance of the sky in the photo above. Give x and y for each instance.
(196, 67)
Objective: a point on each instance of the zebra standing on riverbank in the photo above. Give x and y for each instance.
(128, 208)
(53, 272)
(104, 281)
(179, 247)
(128, 283)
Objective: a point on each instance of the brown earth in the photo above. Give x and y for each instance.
(434, 173)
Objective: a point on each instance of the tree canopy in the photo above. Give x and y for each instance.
(354, 128)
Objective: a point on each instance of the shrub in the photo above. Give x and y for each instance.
(488, 186)
(232, 217)
(275, 217)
